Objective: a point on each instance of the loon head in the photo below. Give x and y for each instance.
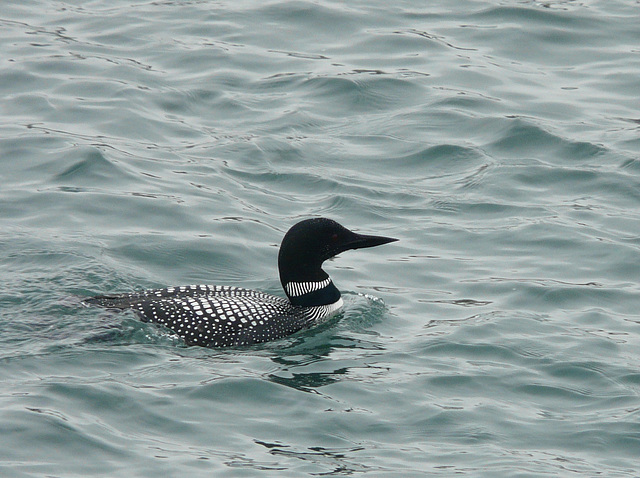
(305, 247)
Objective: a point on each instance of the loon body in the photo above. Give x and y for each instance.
(222, 316)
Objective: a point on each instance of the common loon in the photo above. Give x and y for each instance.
(223, 316)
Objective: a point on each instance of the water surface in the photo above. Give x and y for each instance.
(145, 144)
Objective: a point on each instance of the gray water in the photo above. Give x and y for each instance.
(146, 144)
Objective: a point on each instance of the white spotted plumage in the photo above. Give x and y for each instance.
(220, 316)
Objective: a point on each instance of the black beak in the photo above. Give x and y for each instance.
(360, 241)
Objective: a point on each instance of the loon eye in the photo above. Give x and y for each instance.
(334, 237)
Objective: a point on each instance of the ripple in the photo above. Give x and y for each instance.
(171, 142)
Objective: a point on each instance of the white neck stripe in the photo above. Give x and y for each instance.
(296, 289)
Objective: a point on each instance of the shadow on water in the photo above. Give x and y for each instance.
(345, 339)
(339, 460)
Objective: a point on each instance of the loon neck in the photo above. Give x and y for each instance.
(310, 291)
